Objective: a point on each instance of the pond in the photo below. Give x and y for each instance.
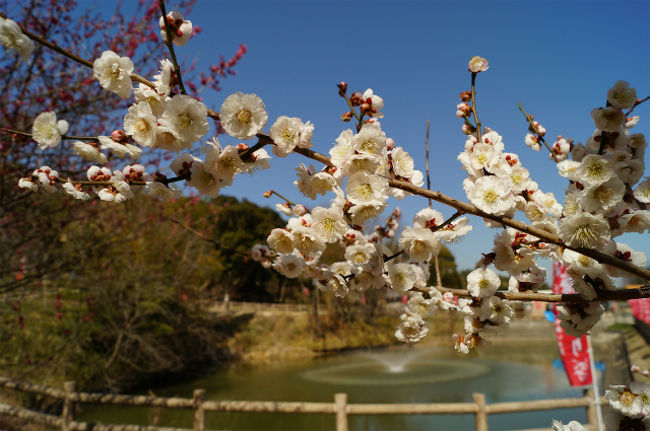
(396, 375)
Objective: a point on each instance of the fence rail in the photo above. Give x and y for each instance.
(340, 407)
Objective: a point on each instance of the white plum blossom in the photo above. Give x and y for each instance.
(621, 398)
(402, 163)
(533, 142)
(141, 124)
(47, 131)
(602, 197)
(363, 188)
(288, 132)
(372, 104)
(594, 169)
(312, 184)
(114, 73)
(370, 140)
(182, 164)
(12, 37)
(402, 277)
(642, 191)
(419, 243)
(146, 94)
(329, 223)
(343, 148)
(280, 240)
(477, 64)
(482, 282)
(412, 328)
(180, 29)
(359, 254)
(490, 194)
(46, 178)
(89, 151)
(608, 119)
(164, 79)
(187, 117)
(584, 230)
(243, 115)
(454, 231)
(495, 310)
(578, 319)
(621, 95)
(427, 218)
(75, 191)
(27, 183)
(289, 265)
(118, 148)
(98, 173)
(203, 180)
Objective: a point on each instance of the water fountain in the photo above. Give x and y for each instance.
(396, 362)
(397, 367)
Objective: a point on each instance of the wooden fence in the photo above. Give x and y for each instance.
(340, 408)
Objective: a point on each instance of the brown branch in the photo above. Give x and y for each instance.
(469, 208)
(572, 298)
(82, 61)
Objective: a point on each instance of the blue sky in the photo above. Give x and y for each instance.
(557, 57)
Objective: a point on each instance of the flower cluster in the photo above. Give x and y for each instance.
(606, 196)
(601, 203)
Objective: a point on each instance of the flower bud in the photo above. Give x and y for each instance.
(477, 64)
(466, 96)
(118, 136)
(468, 129)
(300, 210)
(343, 87)
(356, 98)
(346, 116)
(268, 193)
(390, 143)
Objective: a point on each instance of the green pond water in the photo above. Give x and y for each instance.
(400, 375)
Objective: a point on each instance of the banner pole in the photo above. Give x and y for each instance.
(594, 383)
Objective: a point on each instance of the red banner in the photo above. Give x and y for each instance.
(574, 351)
(641, 309)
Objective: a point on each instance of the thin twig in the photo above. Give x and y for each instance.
(170, 46)
(637, 103)
(426, 162)
(214, 242)
(78, 138)
(478, 123)
(541, 138)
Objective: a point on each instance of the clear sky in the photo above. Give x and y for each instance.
(558, 58)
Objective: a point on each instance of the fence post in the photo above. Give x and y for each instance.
(199, 412)
(592, 418)
(67, 414)
(340, 405)
(481, 413)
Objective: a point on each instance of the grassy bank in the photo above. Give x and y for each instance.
(275, 336)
